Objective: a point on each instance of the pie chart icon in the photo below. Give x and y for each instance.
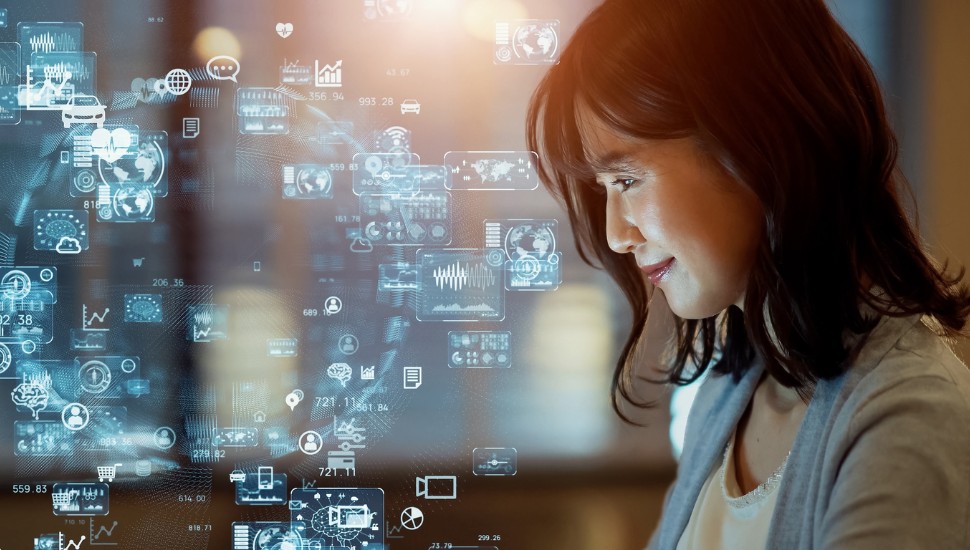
(412, 518)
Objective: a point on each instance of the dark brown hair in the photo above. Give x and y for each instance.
(780, 96)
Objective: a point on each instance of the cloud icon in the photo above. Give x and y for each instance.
(68, 245)
(361, 246)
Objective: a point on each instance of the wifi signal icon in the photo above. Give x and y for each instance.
(394, 139)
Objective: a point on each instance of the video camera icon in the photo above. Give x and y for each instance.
(436, 487)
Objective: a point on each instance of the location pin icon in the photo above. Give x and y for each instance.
(292, 400)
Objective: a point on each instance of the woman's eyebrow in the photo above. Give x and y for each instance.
(613, 161)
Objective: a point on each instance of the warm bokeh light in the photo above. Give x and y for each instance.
(213, 41)
(480, 16)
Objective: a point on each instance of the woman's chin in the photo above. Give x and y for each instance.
(692, 307)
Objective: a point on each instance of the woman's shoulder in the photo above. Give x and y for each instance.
(906, 370)
(900, 412)
(916, 356)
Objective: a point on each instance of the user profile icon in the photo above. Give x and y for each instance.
(75, 416)
(348, 344)
(164, 438)
(332, 306)
(310, 442)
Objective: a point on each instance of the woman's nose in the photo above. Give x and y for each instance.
(622, 234)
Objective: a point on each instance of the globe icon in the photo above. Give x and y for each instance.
(536, 42)
(178, 81)
(133, 202)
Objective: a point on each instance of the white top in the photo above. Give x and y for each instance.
(725, 518)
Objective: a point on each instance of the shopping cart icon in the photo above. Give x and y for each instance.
(136, 262)
(62, 499)
(107, 472)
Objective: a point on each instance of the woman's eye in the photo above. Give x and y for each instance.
(623, 183)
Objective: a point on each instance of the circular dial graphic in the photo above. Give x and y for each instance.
(15, 285)
(95, 377)
(5, 358)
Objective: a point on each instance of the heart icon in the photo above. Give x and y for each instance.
(284, 29)
(110, 146)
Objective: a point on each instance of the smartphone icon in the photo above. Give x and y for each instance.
(264, 478)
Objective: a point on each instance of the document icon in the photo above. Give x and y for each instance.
(190, 127)
(412, 378)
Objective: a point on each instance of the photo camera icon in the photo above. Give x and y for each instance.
(436, 487)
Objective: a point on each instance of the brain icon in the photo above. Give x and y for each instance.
(30, 395)
(341, 372)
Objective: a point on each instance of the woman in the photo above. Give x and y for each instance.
(737, 157)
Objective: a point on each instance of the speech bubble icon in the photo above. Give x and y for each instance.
(223, 67)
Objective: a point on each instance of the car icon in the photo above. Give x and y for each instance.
(83, 109)
(237, 475)
(410, 106)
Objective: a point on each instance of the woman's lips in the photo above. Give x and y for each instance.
(656, 272)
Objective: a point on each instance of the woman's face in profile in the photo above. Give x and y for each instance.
(693, 229)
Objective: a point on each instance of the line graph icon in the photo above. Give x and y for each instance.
(45, 94)
(73, 545)
(94, 321)
(55, 541)
(94, 538)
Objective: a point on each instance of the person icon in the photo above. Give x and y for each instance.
(74, 420)
(333, 305)
(348, 344)
(164, 437)
(75, 416)
(310, 442)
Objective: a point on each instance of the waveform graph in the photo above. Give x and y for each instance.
(459, 285)
(78, 68)
(46, 37)
(459, 275)
(207, 323)
(9, 63)
(9, 81)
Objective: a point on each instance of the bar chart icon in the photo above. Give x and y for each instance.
(329, 76)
